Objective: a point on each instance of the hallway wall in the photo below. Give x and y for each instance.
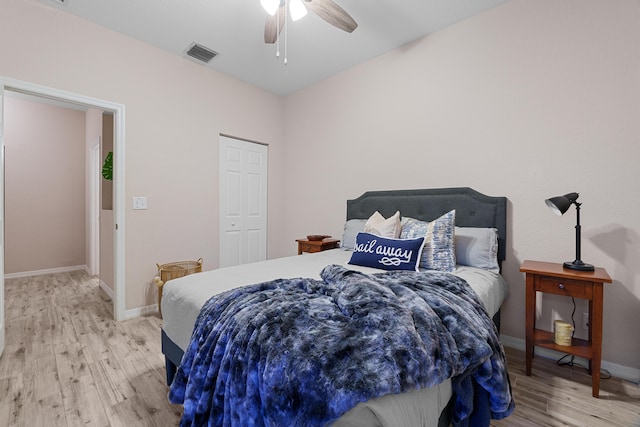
(45, 186)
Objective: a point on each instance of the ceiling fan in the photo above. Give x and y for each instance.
(325, 9)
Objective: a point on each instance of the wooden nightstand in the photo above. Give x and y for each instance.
(306, 245)
(555, 279)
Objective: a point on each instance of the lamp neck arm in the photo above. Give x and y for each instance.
(578, 228)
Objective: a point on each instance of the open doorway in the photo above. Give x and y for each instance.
(47, 220)
(117, 223)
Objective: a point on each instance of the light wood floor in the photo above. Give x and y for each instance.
(561, 396)
(68, 363)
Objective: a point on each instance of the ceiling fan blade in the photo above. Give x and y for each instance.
(273, 25)
(333, 14)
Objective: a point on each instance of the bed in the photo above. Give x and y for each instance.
(184, 298)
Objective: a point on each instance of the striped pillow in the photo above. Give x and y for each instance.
(439, 250)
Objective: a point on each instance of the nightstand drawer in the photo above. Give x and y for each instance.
(558, 286)
(308, 247)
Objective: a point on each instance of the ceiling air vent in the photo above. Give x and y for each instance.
(200, 53)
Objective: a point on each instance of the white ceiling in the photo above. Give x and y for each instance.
(234, 29)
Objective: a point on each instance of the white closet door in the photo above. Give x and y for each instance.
(243, 201)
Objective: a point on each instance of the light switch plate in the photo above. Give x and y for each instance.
(139, 203)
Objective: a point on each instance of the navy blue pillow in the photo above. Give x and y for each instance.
(387, 254)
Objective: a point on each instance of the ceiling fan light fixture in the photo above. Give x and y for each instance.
(297, 9)
(271, 6)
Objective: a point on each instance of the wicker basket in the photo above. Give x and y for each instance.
(173, 270)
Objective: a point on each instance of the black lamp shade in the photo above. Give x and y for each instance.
(560, 204)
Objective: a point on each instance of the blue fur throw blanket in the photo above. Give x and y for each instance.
(302, 352)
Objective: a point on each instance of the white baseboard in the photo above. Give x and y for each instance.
(619, 371)
(141, 311)
(107, 290)
(46, 271)
(134, 312)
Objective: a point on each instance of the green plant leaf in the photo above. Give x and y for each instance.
(107, 168)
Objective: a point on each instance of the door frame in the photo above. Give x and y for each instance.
(118, 111)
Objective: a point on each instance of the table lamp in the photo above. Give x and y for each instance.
(559, 205)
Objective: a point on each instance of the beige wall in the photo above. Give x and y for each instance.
(529, 100)
(175, 111)
(44, 191)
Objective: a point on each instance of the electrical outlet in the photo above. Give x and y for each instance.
(585, 321)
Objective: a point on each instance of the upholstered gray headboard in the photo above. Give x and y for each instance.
(473, 209)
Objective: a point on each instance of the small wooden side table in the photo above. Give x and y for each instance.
(306, 245)
(555, 279)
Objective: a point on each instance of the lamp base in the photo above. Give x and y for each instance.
(578, 265)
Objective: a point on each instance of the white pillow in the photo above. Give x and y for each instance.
(477, 247)
(351, 230)
(378, 225)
